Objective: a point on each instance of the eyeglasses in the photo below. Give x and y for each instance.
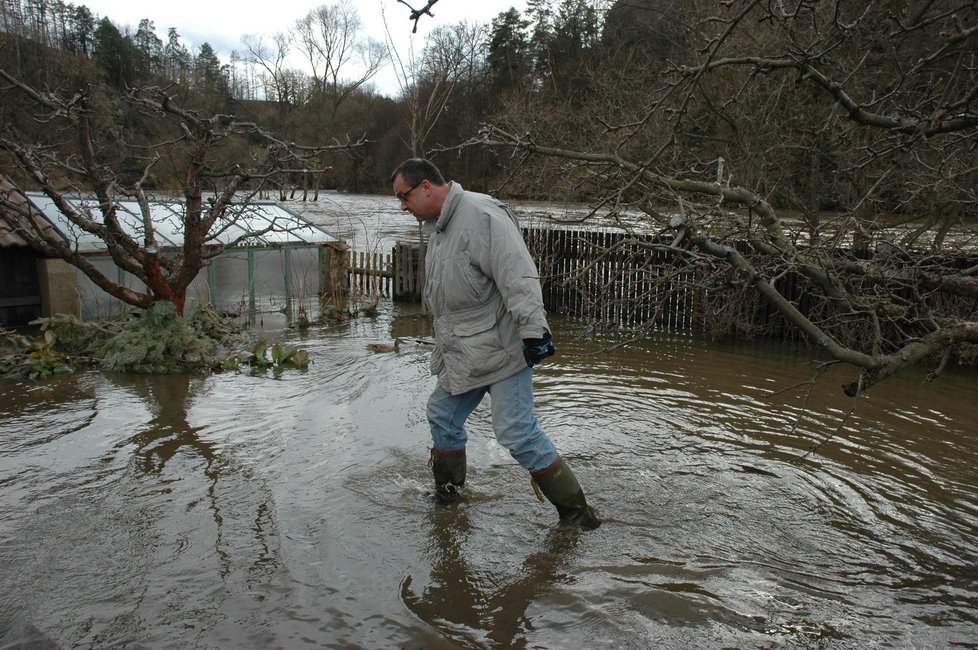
(402, 196)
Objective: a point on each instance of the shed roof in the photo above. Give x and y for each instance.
(10, 236)
(262, 223)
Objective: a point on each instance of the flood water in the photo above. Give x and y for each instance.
(254, 511)
(373, 223)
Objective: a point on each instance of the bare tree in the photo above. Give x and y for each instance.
(866, 112)
(341, 60)
(100, 156)
(281, 83)
(451, 56)
(428, 80)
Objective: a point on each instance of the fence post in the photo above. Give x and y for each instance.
(408, 272)
(251, 286)
(334, 285)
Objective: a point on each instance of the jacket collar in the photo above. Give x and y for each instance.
(448, 208)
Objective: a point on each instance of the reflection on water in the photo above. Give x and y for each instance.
(478, 607)
(168, 399)
(243, 510)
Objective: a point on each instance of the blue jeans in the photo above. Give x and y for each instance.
(513, 422)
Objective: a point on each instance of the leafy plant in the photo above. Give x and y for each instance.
(160, 342)
(81, 340)
(34, 359)
(261, 357)
(43, 359)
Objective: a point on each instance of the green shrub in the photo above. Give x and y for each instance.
(160, 342)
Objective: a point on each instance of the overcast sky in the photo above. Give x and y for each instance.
(222, 23)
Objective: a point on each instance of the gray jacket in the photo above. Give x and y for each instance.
(483, 289)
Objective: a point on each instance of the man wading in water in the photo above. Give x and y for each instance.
(483, 290)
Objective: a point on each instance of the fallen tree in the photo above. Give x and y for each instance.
(879, 101)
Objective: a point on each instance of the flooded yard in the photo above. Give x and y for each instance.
(249, 511)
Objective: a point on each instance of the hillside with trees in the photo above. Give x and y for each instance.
(566, 72)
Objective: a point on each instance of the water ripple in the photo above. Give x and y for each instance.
(247, 509)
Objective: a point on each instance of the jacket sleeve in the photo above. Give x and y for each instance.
(515, 274)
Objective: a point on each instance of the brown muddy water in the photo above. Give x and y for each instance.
(243, 511)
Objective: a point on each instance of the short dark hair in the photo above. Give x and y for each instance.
(415, 170)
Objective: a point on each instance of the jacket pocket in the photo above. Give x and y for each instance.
(480, 346)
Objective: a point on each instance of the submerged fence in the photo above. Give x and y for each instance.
(398, 275)
(609, 278)
(617, 279)
(628, 280)
(614, 278)
(372, 274)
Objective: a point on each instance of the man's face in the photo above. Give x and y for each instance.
(413, 198)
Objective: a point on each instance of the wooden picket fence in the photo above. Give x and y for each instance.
(614, 278)
(371, 274)
(610, 278)
(398, 275)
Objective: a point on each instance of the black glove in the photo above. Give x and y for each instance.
(534, 350)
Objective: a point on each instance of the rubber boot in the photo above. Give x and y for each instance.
(560, 486)
(448, 468)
